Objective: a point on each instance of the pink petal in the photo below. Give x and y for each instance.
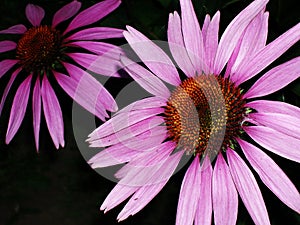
(272, 176)
(53, 114)
(66, 12)
(6, 65)
(7, 88)
(127, 150)
(250, 42)
(192, 36)
(274, 141)
(34, 14)
(286, 124)
(144, 174)
(100, 48)
(205, 198)
(257, 45)
(274, 107)
(93, 14)
(86, 90)
(205, 27)
(18, 109)
(153, 57)
(146, 162)
(16, 29)
(122, 121)
(224, 194)
(177, 47)
(117, 195)
(248, 188)
(269, 53)
(6, 46)
(146, 103)
(275, 79)
(189, 194)
(211, 43)
(99, 64)
(36, 111)
(126, 133)
(146, 193)
(96, 33)
(145, 79)
(233, 33)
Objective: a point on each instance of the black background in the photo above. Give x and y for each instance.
(58, 186)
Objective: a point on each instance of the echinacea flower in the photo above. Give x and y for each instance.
(41, 52)
(208, 116)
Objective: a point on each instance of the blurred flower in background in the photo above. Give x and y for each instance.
(209, 116)
(45, 51)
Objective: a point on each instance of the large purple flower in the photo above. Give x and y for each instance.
(41, 53)
(207, 116)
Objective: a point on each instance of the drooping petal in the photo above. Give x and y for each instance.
(16, 29)
(153, 57)
(99, 64)
(145, 79)
(6, 65)
(53, 114)
(127, 150)
(286, 124)
(96, 33)
(148, 160)
(274, 107)
(36, 111)
(146, 193)
(272, 176)
(248, 188)
(34, 14)
(192, 36)
(123, 120)
(126, 133)
(100, 48)
(204, 210)
(66, 12)
(268, 54)
(7, 88)
(93, 14)
(224, 194)
(275, 79)
(274, 141)
(142, 175)
(189, 194)
(233, 33)
(86, 90)
(18, 109)
(146, 103)
(211, 43)
(6, 46)
(177, 47)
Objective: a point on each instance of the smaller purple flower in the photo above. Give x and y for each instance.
(44, 52)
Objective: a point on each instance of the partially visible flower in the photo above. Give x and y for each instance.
(44, 52)
(207, 116)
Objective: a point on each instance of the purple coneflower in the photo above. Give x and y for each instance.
(41, 52)
(208, 116)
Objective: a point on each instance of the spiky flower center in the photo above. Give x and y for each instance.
(38, 48)
(205, 113)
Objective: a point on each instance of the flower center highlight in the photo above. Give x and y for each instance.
(205, 113)
(38, 48)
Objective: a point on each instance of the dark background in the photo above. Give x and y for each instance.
(58, 186)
